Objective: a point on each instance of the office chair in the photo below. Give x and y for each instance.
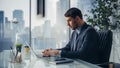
(105, 44)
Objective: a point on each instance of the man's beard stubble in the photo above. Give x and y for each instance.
(75, 25)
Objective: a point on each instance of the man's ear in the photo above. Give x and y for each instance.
(77, 18)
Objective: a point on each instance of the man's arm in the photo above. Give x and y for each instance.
(58, 51)
(68, 46)
(88, 47)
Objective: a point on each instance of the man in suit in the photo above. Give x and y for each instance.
(83, 42)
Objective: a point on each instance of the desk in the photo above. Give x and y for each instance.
(34, 62)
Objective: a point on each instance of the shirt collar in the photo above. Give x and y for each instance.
(79, 29)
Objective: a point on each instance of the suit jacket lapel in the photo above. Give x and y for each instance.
(80, 36)
(82, 31)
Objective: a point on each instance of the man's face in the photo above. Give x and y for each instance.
(72, 23)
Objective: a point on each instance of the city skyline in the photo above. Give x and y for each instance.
(40, 42)
(7, 35)
(52, 29)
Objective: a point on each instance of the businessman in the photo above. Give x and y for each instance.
(83, 42)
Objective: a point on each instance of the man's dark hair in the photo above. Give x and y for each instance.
(73, 12)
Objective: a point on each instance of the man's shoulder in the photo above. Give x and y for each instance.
(90, 29)
(87, 26)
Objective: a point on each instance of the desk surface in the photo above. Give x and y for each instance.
(34, 62)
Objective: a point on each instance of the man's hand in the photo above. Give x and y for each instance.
(50, 52)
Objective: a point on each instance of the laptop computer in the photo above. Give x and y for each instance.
(53, 59)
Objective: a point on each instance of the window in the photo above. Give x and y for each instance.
(50, 31)
(10, 32)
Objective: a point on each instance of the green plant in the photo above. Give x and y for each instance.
(18, 44)
(18, 47)
(105, 14)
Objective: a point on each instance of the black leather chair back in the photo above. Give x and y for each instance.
(105, 44)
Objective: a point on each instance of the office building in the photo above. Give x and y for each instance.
(1, 24)
(18, 15)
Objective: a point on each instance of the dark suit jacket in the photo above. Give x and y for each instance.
(86, 45)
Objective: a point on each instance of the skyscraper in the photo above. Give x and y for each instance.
(18, 14)
(1, 16)
(47, 29)
(61, 7)
(7, 23)
(6, 20)
(5, 38)
(1, 24)
(7, 29)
